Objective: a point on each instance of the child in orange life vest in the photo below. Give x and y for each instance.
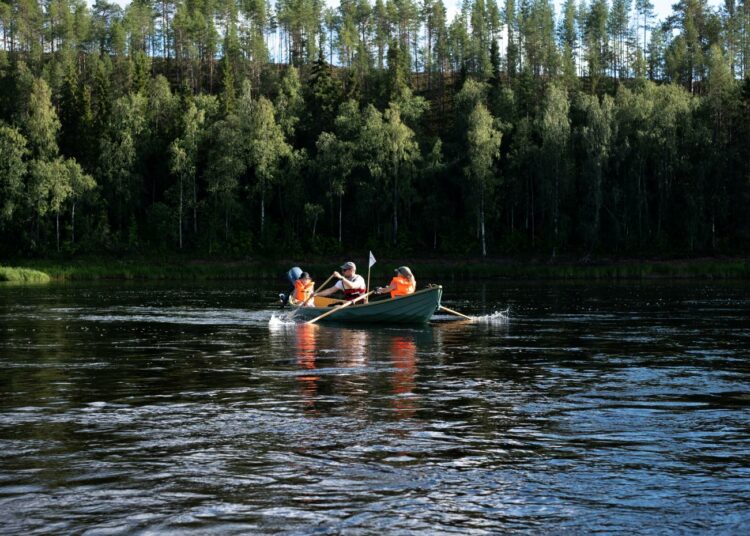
(303, 289)
(403, 283)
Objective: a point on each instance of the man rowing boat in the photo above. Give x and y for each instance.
(349, 282)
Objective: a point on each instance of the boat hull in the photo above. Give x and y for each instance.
(414, 308)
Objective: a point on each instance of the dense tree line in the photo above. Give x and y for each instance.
(236, 127)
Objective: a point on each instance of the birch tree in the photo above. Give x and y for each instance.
(555, 138)
(483, 146)
(183, 158)
(13, 151)
(401, 152)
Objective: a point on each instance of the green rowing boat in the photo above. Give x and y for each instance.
(412, 309)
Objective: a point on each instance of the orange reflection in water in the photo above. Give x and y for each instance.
(306, 339)
(404, 358)
(351, 348)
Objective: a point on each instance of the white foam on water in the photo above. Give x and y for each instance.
(281, 321)
(498, 317)
(178, 315)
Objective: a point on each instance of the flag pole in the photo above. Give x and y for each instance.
(370, 262)
(368, 278)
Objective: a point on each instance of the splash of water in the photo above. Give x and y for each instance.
(281, 320)
(498, 317)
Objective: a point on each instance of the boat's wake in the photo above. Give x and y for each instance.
(282, 320)
(165, 315)
(498, 317)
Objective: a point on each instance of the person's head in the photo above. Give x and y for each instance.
(304, 276)
(348, 268)
(405, 272)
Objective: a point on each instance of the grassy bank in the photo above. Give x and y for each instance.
(22, 275)
(89, 269)
(192, 269)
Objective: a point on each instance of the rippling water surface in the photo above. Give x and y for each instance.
(146, 408)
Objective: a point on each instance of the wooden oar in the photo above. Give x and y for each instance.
(311, 296)
(338, 308)
(451, 311)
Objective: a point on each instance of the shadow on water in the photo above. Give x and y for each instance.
(595, 408)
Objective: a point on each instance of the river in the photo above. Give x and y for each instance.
(147, 408)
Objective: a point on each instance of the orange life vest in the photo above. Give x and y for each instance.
(403, 285)
(303, 291)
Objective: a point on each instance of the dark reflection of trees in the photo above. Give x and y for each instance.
(35, 349)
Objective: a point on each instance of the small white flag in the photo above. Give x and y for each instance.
(372, 260)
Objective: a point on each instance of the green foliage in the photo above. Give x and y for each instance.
(555, 130)
(118, 156)
(323, 98)
(40, 122)
(594, 136)
(22, 275)
(266, 146)
(312, 213)
(13, 154)
(289, 103)
(80, 182)
(169, 127)
(483, 147)
(161, 228)
(49, 185)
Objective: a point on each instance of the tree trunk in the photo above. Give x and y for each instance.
(556, 215)
(73, 224)
(713, 230)
(165, 29)
(195, 206)
(340, 216)
(57, 229)
(395, 205)
(481, 224)
(262, 210)
(180, 214)
(597, 206)
(428, 62)
(533, 228)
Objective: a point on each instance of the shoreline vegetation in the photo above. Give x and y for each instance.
(22, 275)
(503, 130)
(176, 269)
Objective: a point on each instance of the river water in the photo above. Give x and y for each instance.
(130, 408)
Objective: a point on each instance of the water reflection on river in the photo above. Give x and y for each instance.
(162, 408)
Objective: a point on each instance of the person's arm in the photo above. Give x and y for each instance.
(332, 289)
(345, 283)
(383, 290)
(327, 292)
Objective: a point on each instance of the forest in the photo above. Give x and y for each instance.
(244, 128)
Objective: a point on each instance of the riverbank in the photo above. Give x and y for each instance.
(22, 275)
(201, 269)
